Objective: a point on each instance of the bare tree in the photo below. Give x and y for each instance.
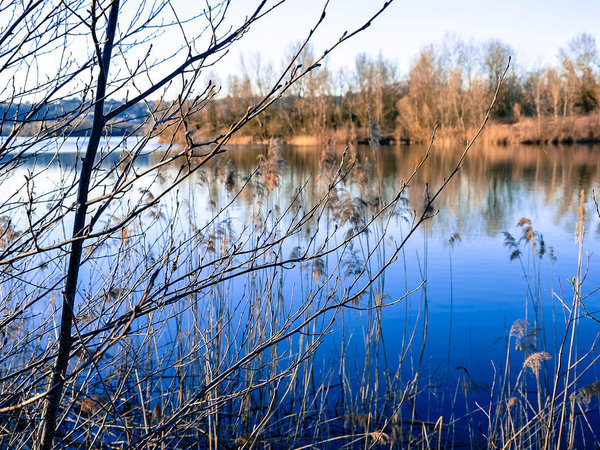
(578, 62)
(102, 50)
(134, 316)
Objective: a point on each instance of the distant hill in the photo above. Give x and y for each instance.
(68, 116)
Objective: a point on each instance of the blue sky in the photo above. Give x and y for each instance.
(535, 29)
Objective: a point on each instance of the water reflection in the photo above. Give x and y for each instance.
(494, 185)
(455, 329)
(494, 189)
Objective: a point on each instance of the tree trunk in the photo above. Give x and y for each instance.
(68, 307)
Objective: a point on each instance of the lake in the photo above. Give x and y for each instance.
(498, 249)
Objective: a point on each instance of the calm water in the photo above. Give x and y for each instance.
(495, 188)
(473, 292)
(461, 317)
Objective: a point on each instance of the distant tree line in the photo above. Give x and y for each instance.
(450, 83)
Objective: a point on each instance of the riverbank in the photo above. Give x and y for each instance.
(526, 131)
(560, 130)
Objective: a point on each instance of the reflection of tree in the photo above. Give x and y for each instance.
(493, 186)
(495, 208)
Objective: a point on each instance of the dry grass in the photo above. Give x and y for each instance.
(547, 130)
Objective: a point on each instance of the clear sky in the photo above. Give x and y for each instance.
(535, 29)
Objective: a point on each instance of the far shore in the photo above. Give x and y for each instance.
(559, 130)
(526, 131)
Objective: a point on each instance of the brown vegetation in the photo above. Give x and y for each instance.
(450, 84)
(547, 130)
